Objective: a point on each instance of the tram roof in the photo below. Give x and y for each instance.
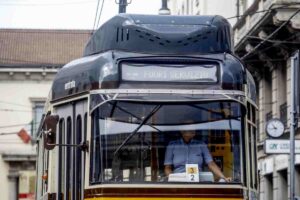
(162, 34)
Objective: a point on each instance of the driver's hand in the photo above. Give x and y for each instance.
(228, 179)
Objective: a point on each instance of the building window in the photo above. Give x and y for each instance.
(297, 171)
(283, 184)
(37, 113)
(269, 186)
(268, 116)
(283, 114)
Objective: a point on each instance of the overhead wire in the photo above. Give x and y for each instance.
(271, 35)
(11, 133)
(97, 7)
(13, 110)
(46, 4)
(18, 125)
(15, 104)
(100, 14)
(266, 10)
(273, 41)
(271, 46)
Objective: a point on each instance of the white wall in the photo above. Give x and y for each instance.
(16, 108)
(16, 98)
(225, 8)
(4, 187)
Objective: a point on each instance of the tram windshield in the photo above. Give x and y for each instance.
(142, 142)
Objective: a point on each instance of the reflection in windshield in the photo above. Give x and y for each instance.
(146, 142)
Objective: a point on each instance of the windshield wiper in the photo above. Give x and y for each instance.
(127, 112)
(137, 128)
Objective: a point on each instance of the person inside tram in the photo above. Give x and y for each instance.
(188, 150)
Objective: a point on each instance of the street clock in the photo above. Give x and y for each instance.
(275, 128)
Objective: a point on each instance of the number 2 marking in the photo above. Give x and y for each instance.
(192, 177)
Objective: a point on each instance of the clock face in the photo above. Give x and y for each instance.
(275, 128)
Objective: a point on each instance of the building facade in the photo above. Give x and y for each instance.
(206, 7)
(266, 34)
(266, 37)
(29, 60)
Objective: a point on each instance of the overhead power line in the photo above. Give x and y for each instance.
(261, 11)
(15, 104)
(97, 7)
(271, 41)
(271, 35)
(98, 16)
(12, 133)
(274, 44)
(46, 4)
(13, 110)
(18, 125)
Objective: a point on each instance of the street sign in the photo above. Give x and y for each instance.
(280, 146)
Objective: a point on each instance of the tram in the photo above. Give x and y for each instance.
(115, 119)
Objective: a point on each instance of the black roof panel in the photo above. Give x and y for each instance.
(158, 34)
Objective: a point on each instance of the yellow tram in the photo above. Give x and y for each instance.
(157, 108)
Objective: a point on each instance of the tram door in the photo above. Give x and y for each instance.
(71, 130)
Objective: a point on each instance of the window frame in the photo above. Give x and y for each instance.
(242, 164)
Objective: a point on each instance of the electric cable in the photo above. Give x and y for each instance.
(97, 7)
(265, 49)
(271, 35)
(15, 104)
(261, 11)
(46, 4)
(100, 14)
(13, 110)
(273, 41)
(18, 125)
(12, 133)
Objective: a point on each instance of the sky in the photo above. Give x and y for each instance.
(65, 14)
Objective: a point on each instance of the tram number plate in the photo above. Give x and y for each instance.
(192, 172)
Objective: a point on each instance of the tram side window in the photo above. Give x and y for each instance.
(78, 159)
(251, 120)
(134, 142)
(61, 150)
(39, 168)
(96, 152)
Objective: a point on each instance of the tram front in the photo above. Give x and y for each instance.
(171, 110)
(174, 130)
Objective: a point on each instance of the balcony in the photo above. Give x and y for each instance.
(259, 13)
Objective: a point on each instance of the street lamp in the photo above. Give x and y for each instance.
(164, 8)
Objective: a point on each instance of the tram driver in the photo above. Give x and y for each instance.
(188, 150)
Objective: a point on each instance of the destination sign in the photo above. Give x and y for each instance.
(170, 73)
(280, 146)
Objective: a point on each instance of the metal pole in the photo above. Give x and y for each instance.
(164, 8)
(294, 64)
(238, 9)
(122, 6)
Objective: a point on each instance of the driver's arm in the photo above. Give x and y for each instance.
(216, 170)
